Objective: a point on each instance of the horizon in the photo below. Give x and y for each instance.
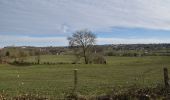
(94, 45)
(50, 22)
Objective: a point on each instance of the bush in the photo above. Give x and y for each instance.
(110, 54)
(18, 63)
(29, 97)
(136, 93)
(97, 59)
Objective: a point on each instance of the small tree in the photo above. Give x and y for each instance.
(37, 53)
(83, 39)
(7, 54)
(22, 54)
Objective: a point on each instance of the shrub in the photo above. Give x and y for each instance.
(29, 97)
(97, 59)
(18, 63)
(110, 54)
(137, 93)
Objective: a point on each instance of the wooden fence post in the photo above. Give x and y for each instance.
(75, 79)
(166, 78)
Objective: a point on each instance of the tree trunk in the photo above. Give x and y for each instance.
(85, 57)
(86, 61)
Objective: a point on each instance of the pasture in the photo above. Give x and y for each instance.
(93, 79)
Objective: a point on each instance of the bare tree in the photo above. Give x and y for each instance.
(83, 39)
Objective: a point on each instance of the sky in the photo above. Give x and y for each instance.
(50, 22)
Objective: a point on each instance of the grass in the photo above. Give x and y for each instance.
(93, 79)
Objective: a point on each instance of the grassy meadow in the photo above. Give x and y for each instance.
(93, 79)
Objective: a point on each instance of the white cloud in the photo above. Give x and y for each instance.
(62, 16)
(131, 40)
(30, 18)
(8, 40)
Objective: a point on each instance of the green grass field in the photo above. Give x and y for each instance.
(93, 79)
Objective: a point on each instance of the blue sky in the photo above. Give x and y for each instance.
(50, 22)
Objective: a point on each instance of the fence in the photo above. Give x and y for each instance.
(107, 97)
(76, 83)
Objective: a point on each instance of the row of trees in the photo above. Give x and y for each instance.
(82, 45)
(81, 42)
(16, 54)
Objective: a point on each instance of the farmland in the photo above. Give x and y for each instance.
(93, 79)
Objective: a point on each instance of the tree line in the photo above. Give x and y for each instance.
(82, 44)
